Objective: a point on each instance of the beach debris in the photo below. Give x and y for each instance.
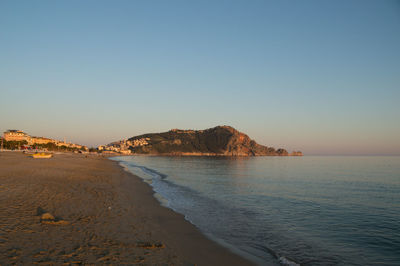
(48, 218)
(148, 245)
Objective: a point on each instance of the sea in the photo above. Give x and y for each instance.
(310, 210)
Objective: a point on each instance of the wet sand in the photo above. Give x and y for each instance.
(102, 215)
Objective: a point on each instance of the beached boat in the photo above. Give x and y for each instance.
(42, 155)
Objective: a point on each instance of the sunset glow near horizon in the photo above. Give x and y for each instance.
(322, 77)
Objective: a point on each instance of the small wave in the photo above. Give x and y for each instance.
(163, 201)
(285, 261)
(152, 172)
(281, 259)
(125, 167)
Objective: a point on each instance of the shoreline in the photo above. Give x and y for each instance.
(111, 216)
(205, 250)
(163, 203)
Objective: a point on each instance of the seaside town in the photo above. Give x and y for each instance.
(19, 140)
(123, 146)
(13, 139)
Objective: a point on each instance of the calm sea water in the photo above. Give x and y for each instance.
(286, 210)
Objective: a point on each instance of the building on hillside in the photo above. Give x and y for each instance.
(61, 143)
(39, 140)
(15, 135)
(70, 145)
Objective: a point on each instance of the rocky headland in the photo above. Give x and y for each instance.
(217, 141)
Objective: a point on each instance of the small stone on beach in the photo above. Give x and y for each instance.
(47, 216)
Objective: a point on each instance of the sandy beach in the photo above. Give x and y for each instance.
(102, 215)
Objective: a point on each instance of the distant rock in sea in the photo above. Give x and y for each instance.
(217, 141)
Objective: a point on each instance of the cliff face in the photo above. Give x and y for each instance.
(220, 140)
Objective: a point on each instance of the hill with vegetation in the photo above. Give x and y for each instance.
(220, 140)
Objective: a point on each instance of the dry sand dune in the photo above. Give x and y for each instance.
(102, 215)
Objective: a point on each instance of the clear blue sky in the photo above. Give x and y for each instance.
(318, 76)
